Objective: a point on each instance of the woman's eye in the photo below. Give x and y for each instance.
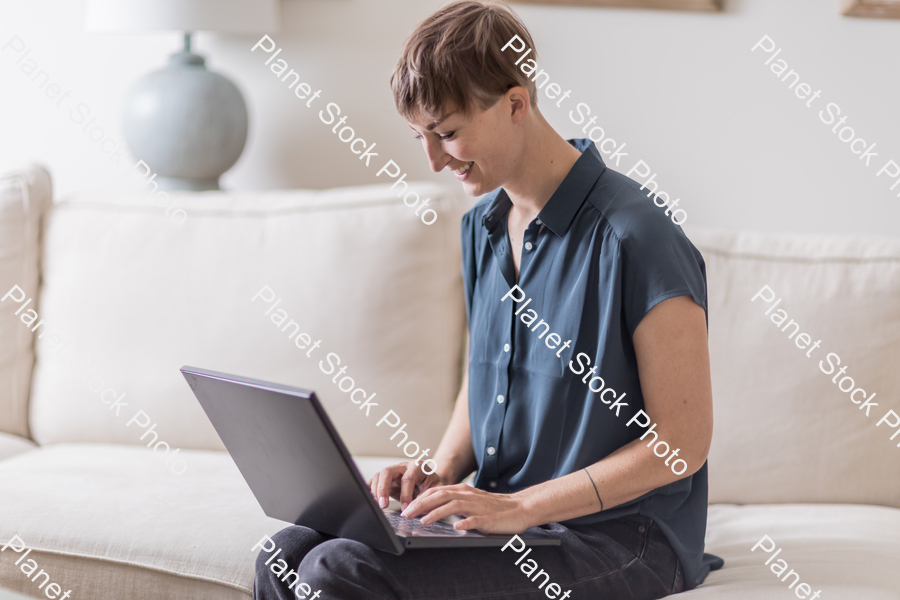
(441, 137)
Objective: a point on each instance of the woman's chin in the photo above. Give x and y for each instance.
(474, 187)
(472, 190)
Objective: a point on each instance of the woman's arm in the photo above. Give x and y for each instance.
(455, 459)
(673, 364)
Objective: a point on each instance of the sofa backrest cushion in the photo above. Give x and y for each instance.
(784, 430)
(136, 295)
(25, 192)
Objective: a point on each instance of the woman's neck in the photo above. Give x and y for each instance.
(542, 168)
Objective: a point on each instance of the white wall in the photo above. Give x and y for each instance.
(682, 89)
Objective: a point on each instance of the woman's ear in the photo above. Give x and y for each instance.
(519, 103)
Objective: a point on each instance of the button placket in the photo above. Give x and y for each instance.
(490, 468)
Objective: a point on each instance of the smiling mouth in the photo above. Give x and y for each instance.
(464, 168)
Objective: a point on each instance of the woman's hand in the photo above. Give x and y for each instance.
(401, 481)
(487, 512)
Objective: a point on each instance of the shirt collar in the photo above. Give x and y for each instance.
(560, 209)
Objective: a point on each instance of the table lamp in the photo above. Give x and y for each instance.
(187, 123)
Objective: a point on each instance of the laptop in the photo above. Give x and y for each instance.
(300, 471)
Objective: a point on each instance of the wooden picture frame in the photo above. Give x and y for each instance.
(886, 9)
(698, 5)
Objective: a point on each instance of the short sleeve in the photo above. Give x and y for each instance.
(660, 263)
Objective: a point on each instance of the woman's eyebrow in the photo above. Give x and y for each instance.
(434, 124)
(439, 121)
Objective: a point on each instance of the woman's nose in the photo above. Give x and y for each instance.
(437, 158)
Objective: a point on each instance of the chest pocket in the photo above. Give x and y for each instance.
(532, 352)
(487, 332)
(532, 343)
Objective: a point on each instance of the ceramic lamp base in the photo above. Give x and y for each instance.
(187, 123)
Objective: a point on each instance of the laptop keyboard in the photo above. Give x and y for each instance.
(414, 527)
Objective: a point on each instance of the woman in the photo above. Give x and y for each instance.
(552, 422)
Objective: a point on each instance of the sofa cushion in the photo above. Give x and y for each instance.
(7, 595)
(784, 431)
(138, 531)
(112, 521)
(135, 296)
(848, 552)
(12, 445)
(25, 193)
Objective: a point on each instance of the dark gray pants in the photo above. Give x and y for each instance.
(622, 559)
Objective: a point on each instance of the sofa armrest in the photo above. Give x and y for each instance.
(25, 193)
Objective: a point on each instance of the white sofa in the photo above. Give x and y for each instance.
(128, 296)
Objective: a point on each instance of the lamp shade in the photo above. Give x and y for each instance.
(230, 16)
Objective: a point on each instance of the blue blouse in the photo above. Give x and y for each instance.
(596, 259)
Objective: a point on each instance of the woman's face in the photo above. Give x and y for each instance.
(480, 148)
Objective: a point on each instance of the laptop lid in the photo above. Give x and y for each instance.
(291, 456)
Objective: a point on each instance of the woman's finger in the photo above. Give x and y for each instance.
(456, 506)
(376, 485)
(386, 479)
(425, 503)
(408, 482)
(473, 522)
(373, 485)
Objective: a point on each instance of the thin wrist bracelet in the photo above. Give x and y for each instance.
(595, 488)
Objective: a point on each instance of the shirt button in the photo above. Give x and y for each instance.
(491, 451)
(529, 245)
(493, 484)
(506, 347)
(500, 399)
(538, 222)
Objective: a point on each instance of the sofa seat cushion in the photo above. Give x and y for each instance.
(849, 552)
(137, 530)
(12, 445)
(113, 521)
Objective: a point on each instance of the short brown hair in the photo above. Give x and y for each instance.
(453, 61)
